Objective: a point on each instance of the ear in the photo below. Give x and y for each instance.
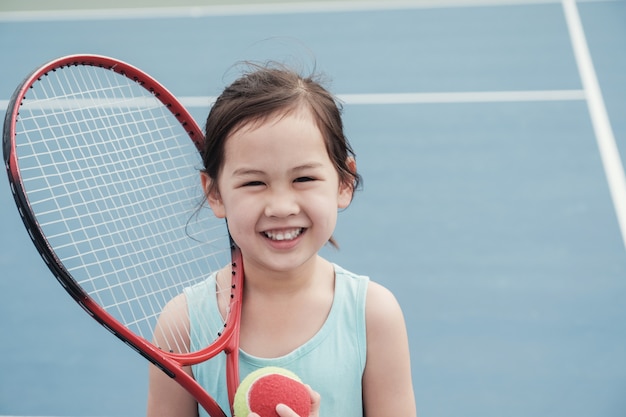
(212, 195)
(346, 189)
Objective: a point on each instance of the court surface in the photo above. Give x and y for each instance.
(491, 137)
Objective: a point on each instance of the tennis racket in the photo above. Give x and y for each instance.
(103, 165)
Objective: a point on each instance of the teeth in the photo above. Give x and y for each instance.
(283, 234)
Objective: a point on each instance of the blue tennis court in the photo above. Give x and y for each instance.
(491, 137)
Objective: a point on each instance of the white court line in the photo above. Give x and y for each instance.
(463, 97)
(418, 98)
(255, 9)
(609, 151)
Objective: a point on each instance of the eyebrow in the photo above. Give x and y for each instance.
(251, 172)
(245, 171)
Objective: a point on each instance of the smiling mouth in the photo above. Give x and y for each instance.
(281, 235)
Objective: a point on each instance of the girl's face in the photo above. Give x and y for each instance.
(279, 191)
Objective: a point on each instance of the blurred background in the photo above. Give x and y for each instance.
(487, 206)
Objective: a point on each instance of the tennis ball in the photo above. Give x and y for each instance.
(262, 390)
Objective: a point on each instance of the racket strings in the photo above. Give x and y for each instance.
(174, 334)
(110, 174)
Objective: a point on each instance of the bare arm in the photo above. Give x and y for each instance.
(165, 397)
(387, 382)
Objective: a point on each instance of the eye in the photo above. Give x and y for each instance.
(253, 184)
(304, 179)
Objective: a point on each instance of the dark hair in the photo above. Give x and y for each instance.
(265, 91)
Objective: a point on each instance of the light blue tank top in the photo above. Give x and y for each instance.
(331, 362)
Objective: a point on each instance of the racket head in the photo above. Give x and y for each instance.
(103, 165)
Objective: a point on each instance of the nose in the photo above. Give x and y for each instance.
(281, 203)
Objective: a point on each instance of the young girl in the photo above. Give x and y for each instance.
(278, 167)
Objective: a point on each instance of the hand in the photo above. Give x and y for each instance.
(285, 411)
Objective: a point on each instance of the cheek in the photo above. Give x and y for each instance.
(240, 215)
(323, 211)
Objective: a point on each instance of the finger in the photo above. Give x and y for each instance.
(316, 399)
(284, 411)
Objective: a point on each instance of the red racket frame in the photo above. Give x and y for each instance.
(170, 363)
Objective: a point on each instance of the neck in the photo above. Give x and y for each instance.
(273, 283)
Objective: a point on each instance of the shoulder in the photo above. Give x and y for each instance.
(380, 303)
(173, 316)
(382, 309)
